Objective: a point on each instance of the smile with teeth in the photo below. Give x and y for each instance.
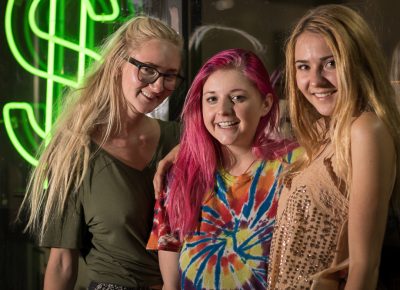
(147, 95)
(227, 124)
(323, 95)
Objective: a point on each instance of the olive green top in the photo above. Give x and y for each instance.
(110, 219)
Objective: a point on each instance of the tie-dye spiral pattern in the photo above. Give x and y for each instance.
(230, 249)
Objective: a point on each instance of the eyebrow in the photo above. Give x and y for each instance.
(322, 58)
(232, 91)
(152, 65)
(171, 70)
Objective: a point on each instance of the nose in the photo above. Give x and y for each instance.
(316, 77)
(225, 106)
(158, 85)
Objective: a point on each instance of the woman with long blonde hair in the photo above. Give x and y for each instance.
(333, 209)
(92, 190)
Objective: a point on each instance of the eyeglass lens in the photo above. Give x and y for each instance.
(150, 75)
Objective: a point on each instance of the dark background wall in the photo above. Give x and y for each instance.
(21, 262)
(270, 21)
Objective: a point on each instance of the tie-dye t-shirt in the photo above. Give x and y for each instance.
(230, 249)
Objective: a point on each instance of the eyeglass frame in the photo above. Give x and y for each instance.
(140, 64)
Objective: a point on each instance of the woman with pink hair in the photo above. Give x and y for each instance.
(213, 224)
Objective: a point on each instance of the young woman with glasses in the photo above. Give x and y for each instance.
(92, 191)
(149, 74)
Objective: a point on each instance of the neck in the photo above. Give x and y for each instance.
(237, 162)
(130, 127)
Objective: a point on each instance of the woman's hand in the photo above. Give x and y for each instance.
(163, 166)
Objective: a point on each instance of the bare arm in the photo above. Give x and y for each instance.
(373, 176)
(169, 269)
(163, 166)
(62, 269)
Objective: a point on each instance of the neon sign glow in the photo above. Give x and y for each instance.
(55, 43)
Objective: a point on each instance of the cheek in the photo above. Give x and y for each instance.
(250, 115)
(165, 95)
(207, 116)
(333, 79)
(125, 85)
(204, 114)
(208, 119)
(300, 82)
(129, 81)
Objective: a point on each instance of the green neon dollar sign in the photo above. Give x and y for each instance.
(87, 13)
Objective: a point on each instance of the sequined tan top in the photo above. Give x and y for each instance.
(309, 246)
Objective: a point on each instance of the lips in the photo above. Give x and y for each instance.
(323, 95)
(227, 124)
(147, 96)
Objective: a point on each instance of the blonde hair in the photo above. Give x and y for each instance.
(395, 72)
(363, 85)
(98, 104)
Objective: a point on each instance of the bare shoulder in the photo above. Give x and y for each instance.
(369, 127)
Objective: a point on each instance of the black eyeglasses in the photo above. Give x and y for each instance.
(148, 74)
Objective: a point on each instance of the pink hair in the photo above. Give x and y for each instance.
(193, 174)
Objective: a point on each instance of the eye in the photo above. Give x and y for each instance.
(211, 99)
(170, 77)
(238, 99)
(330, 64)
(302, 66)
(147, 70)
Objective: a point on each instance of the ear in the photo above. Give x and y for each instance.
(266, 104)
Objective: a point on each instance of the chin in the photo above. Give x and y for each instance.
(225, 142)
(325, 112)
(147, 109)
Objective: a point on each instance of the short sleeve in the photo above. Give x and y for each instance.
(161, 237)
(66, 231)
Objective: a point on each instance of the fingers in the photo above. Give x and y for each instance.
(163, 166)
(159, 177)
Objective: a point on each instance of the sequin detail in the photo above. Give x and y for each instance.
(306, 236)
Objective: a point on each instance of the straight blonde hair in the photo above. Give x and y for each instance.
(97, 105)
(363, 85)
(395, 72)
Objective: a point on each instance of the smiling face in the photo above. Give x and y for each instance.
(141, 97)
(232, 107)
(316, 72)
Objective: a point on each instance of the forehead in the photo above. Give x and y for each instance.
(160, 53)
(310, 44)
(228, 80)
